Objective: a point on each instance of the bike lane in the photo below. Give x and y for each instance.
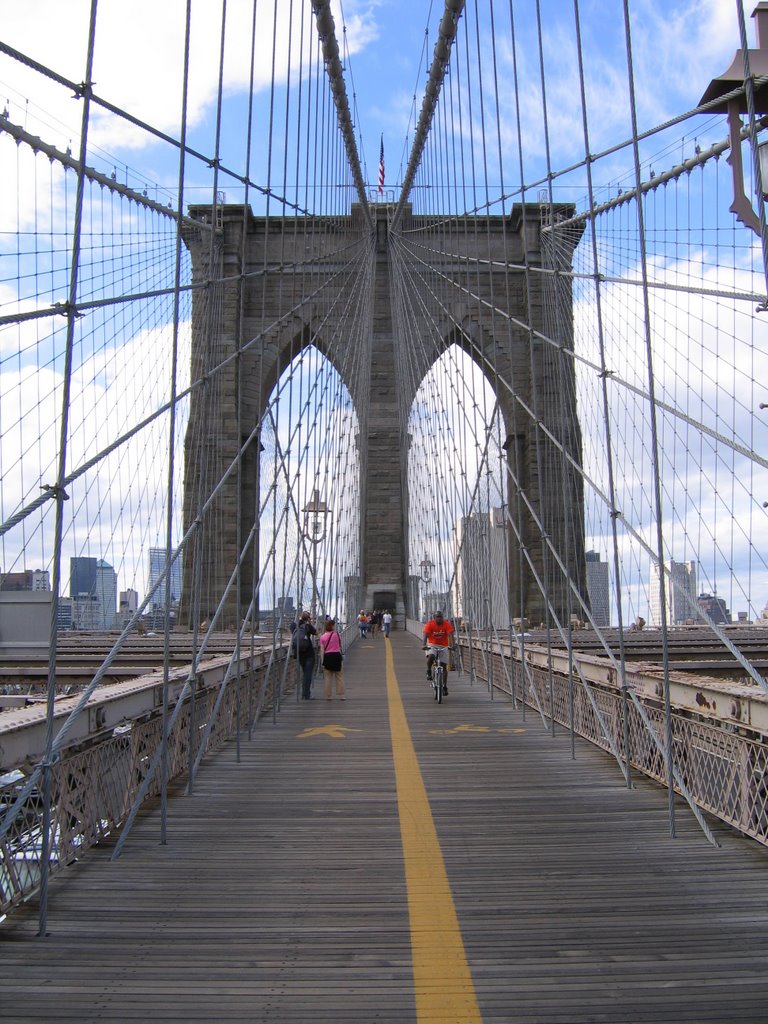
(443, 986)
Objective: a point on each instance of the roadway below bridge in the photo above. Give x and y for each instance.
(389, 859)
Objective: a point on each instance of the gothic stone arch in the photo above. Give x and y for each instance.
(266, 299)
(255, 278)
(518, 328)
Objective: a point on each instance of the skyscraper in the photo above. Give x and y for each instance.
(106, 594)
(480, 588)
(127, 606)
(680, 593)
(82, 576)
(715, 607)
(156, 566)
(93, 590)
(598, 588)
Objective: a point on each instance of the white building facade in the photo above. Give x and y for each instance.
(680, 594)
(106, 594)
(479, 590)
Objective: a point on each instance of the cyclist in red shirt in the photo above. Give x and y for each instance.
(437, 641)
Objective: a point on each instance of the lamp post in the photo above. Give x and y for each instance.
(425, 575)
(316, 515)
(762, 153)
(747, 64)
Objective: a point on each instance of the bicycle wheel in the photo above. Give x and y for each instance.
(439, 680)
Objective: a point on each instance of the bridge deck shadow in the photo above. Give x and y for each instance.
(281, 893)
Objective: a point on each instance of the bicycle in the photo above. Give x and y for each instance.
(439, 672)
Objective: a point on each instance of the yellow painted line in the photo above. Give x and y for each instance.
(442, 981)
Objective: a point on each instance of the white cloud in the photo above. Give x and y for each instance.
(710, 356)
(677, 47)
(139, 56)
(116, 509)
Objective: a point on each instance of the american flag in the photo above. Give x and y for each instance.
(381, 167)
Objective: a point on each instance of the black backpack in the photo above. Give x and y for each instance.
(301, 640)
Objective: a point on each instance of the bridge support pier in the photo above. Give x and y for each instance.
(260, 276)
(384, 528)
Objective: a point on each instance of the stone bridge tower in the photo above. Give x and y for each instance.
(256, 277)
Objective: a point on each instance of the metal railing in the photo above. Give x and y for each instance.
(95, 784)
(723, 766)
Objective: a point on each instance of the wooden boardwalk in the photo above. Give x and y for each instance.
(281, 895)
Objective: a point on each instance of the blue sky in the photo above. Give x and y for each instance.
(387, 46)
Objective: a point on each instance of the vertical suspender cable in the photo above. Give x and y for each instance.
(172, 421)
(654, 429)
(535, 356)
(506, 505)
(193, 730)
(559, 536)
(61, 496)
(446, 36)
(604, 398)
(256, 457)
(749, 89)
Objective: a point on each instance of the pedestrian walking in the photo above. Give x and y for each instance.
(333, 661)
(303, 648)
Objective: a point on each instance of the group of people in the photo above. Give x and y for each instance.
(303, 649)
(370, 623)
(437, 639)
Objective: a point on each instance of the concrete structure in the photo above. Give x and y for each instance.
(261, 305)
(86, 612)
(127, 606)
(280, 616)
(16, 581)
(41, 579)
(25, 622)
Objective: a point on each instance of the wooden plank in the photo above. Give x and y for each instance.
(280, 895)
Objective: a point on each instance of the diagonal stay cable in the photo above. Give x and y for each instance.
(119, 112)
(741, 449)
(480, 356)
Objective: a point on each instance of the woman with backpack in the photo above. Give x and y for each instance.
(330, 645)
(304, 649)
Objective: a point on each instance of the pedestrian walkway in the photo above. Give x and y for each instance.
(386, 859)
